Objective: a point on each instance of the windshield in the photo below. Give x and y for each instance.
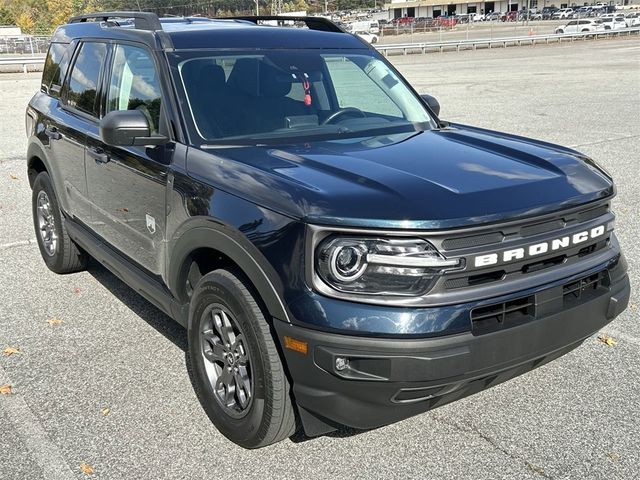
(277, 96)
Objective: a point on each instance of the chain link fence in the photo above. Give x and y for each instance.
(24, 45)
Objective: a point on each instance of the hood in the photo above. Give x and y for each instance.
(442, 178)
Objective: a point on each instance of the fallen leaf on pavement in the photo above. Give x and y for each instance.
(613, 456)
(633, 306)
(607, 340)
(54, 321)
(86, 468)
(76, 290)
(13, 176)
(123, 210)
(6, 389)
(105, 411)
(7, 352)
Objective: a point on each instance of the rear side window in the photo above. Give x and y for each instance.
(55, 68)
(134, 84)
(85, 76)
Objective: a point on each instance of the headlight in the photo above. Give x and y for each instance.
(380, 266)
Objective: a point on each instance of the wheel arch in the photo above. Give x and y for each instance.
(211, 245)
(36, 162)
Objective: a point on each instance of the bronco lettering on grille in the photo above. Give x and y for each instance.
(538, 248)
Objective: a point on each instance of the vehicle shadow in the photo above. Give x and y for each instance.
(341, 432)
(164, 324)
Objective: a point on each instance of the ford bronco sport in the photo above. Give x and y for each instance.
(337, 253)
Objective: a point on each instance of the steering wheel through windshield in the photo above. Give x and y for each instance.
(343, 111)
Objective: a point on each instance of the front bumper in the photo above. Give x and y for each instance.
(389, 379)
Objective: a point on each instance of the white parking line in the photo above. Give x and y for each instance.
(33, 435)
(6, 246)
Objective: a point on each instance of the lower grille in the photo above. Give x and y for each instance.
(502, 315)
(584, 289)
(498, 316)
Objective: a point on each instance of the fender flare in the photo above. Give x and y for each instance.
(36, 149)
(204, 232)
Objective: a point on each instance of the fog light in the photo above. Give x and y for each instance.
(342, 363)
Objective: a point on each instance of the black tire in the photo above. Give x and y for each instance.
(66, 256)
(269, 416)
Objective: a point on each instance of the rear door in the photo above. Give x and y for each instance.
(127, 185)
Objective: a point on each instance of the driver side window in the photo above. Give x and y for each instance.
(134, 84)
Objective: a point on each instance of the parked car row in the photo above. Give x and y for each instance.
(605, 22)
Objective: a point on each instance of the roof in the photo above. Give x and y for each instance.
(203, 33)
(238, 34)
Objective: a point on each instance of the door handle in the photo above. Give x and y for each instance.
(98, 154)
(52, 133)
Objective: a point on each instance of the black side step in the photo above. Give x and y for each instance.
(125, 270)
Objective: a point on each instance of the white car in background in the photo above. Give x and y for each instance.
(368, 37)
(632, 19)
(582, 25)
(613, 23)
(562, 13)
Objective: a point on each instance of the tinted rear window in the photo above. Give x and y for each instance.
(55, 68)
(85, 75)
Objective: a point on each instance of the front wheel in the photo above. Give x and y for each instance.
(236, 369)
(58, 251)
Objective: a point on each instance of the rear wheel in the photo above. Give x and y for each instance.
(58, 251)
(236, 369)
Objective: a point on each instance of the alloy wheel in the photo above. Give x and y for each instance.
(46, 223)
(226, 360)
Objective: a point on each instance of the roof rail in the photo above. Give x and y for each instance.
(142, 20)
(313, 23)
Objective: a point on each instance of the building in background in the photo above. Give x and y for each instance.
(10, 31)
(435, 8)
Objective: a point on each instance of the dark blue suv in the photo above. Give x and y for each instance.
(338, 254)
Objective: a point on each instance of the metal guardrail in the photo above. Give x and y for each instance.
(424, 47)
(23, 61)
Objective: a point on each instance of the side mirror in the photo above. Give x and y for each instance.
(432, 102)
(126, 128)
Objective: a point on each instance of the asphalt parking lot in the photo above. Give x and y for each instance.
(576, 418)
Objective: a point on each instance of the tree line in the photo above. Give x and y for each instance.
(43, 16)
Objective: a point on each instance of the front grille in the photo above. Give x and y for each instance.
(523, 230)
(592, 213)
(521, 235)
(539, 228)
(472, 241)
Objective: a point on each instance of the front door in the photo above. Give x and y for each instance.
(69, 122)
(127, 185)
